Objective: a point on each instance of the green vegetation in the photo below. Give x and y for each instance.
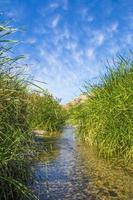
(105, 119)
(48, 114)
(20, 111)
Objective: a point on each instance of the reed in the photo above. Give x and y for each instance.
(105, 119)
(48, 114)
(20, 112)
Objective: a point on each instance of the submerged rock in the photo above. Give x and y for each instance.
(39, 132)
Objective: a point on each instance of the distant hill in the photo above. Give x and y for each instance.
(80, 99)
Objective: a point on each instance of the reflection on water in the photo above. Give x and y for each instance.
(67, 169)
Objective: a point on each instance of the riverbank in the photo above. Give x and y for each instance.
(105, 119)
(21, 111)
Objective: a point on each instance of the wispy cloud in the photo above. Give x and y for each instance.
(100, 38)
(55, 21)
(113, 27)
(31, 40)
(54, 5)
(67, 40)
(90, 53)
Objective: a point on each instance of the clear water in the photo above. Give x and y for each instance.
(67, 169)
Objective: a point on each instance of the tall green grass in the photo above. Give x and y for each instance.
(45, 112)
(105, 119)
(14, 127)
(20, 112)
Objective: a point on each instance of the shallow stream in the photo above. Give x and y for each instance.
(68, 169)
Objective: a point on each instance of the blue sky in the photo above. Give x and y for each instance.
(67, 42)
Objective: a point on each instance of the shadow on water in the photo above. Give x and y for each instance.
(68, 169)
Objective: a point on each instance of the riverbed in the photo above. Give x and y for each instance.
(68, 169)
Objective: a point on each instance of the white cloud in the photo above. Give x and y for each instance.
(55, 21)
(44, 9)
(113, 27)
(100, 38)
(54, 5)
(71, 45)
(60, 36)
(86, 15)
(77, 56)
(31, 41)
(97, 38)
(90, 53)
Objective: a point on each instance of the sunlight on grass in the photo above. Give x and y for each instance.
(105, 118)
(20, 112)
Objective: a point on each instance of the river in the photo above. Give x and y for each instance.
(68, 169)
